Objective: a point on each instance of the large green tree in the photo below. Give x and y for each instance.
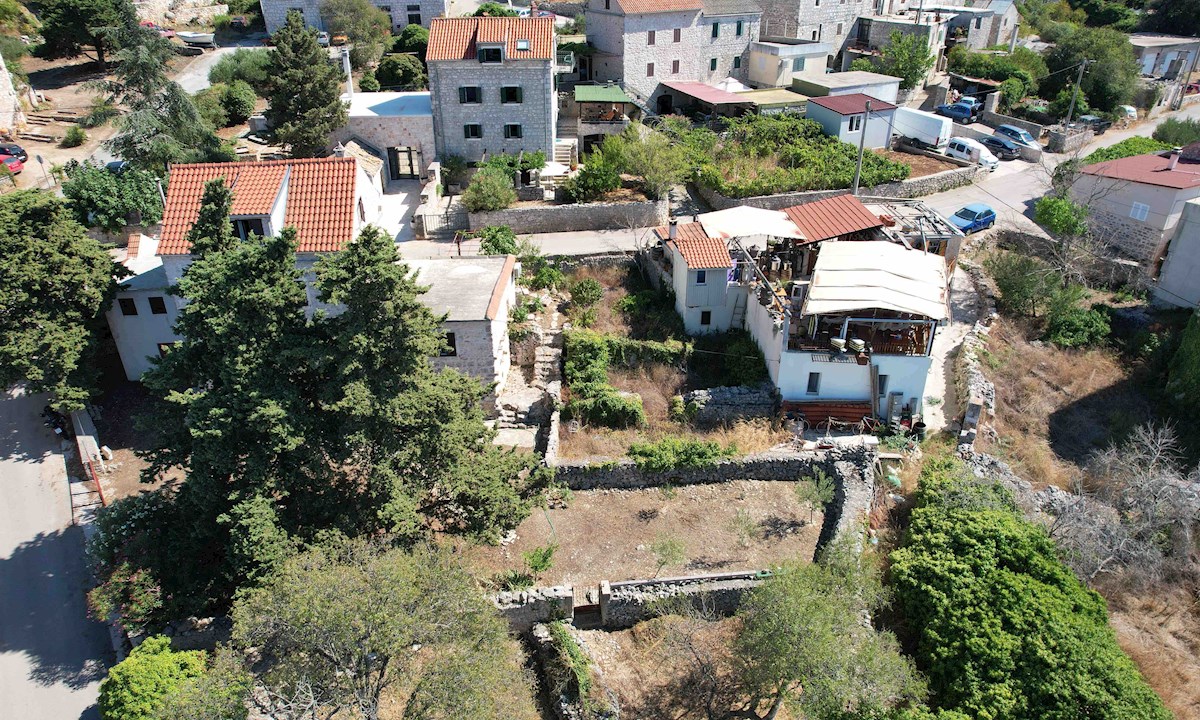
(907, 57)
(69, 25)
(1111, 76)
(136, 687)
(364, 25)
(1177, 17)
(109, 200)
(349, 623)
(55, 285)
(212, 231)
(304, 90)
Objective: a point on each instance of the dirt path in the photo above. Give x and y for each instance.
(964, 311)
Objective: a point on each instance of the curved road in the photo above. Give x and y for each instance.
(52, 657)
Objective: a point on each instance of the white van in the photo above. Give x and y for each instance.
(923, 129)
(972, 151)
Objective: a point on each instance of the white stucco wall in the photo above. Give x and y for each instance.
(845, 379)
(1179, 282)
(878, 126)
(137, 336)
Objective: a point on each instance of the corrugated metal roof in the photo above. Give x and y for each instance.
(851, 103)
(456, 38)
(699, 251)
(601, 93)
(1149, 170)
(832, 217)
(851, 276)
(707, 93)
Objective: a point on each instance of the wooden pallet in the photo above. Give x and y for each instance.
(823, 415)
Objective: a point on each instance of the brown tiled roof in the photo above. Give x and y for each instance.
(851, 104)
(319, 202)
(639, 7)
(455, 38)
(832, 217)
(493, 310)
(1149, 170)
(699, 251)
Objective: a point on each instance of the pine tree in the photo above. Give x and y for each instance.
(212, 231)
(304, 90)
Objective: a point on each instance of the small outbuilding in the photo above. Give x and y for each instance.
(876, 85)
(847, 118)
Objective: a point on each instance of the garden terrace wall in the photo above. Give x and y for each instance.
(525, 608)
(775, 464)
(570, 218)
(1060, 141)
(625, 604)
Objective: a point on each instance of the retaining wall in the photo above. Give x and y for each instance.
(569, 218)
(526, 608)
(782, 463)
(1060, 141)
(994, 119)
(718, 405)
(625, 604)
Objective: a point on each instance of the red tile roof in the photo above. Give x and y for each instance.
(639, 7)
(851, 104)
(1149, 170)
(832, 217)
(320, 197)
(455, 38)
(699, 251)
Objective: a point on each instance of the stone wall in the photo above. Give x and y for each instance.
(910, 188)
(568, 218)
(1138, 240)
(715, 406)
(976, 394)
(993, 119)
(780, 463)
(526, 608)
(625, 604)
(1062, 141)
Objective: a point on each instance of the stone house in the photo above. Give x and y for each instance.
(412, 12)
(873, 34)
(492, 86)
(831, 22)
(775, 62)
(981, 24)
(845, 117)
(1135, 203)
(642, 44)
(397, 127)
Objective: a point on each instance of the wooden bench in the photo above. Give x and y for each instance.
(831, 414)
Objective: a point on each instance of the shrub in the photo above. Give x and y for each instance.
(497, 240)
(401, 71)
(249, 66)
(107, 200)
(1062, 103)
(210, 105)
(511, 164)
(1070, 326)
(597, 177)
(586, 292)
(1178, 132)
(221, 22)
(238, 100)
(368, 83)
(607, 407)
(490, 189)
(74, 137)
(1012, 91)
(675, 452)
(1025, 283)
(136, 687)
(1127, 148)
(593, 400)
(582, 317)
(412, 39)
(731, 358)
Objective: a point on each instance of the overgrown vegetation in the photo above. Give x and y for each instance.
(1126, 148)
(672, 453)
(107, 200)
(1029, 286)
(1178, 132)
(592, 399)
(905, 56)
(490, 189)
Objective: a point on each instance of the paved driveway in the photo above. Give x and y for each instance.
(52, 657)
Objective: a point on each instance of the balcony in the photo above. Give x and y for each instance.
(902, 337)
(564, 62)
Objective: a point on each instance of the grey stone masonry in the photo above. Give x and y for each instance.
(625, 604)
(567, 218)
(535, 113)
(525, 608)
(780, 463)
(275, 12)
(828, 21)
(714, 406)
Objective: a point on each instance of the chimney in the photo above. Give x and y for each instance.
(672, 229)
(339, 150)
(1174, 158)
(349, 74)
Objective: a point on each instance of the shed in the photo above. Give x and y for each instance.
(846, 118)
(878, 86)
(773, 101)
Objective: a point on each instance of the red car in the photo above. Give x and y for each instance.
(14, 165)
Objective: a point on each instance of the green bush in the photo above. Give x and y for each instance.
(368, 82)
(221, 22)
(210, 104)
(413, 39)
(250, 66)
(1012, 91)
(593, 400)
(511, 164)
(401, 71)
(104, 199)
(136, 687)
(1026, 284)
(1023, 66)
(1178, 132)
(606, 407)
(1062, 103)
(239, 101)
(490, 189)
(672, 453)
(1003, 629)
(725, 359)
(1068, 325)
(597, 177)
(497, 240)
(587, 292)
(1127, 148)
(74, 137)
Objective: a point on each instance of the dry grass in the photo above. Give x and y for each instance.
(1055, 407)
(613, 278)
(747, 436)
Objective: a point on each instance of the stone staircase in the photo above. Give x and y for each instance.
(566, 150)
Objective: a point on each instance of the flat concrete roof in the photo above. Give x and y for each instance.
(389, 104)
(850, 78)
(791, 49)
(466, 288)
(1149, 40)
(774, 96)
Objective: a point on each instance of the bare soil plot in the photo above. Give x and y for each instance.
(920, 165)
(119, 406)
(607, 534)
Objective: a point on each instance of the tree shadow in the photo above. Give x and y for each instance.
(1092, 422)
(777, 527)
(23, 437)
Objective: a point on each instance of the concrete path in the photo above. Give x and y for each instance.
(939, 386)
(52, 657)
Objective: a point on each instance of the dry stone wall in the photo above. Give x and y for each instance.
(625, 604)
(780, 463)
(573, 218)
(718, 405)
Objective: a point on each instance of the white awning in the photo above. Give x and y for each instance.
(745, 221)
(731, 85)
(852, 276)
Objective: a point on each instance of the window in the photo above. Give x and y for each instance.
(1139, 211)
(490, 55)
(738, 28)
(737, 63)
(650, 38)
(882, 389)
(470, 95)
(818, 4)
(814, 383)
(388, 8)
(608, 4)
(814, 35)
(839, 29)
(649, 69)
(245, 227)
(856, 123)
(474, 131)
(158, 306)
(706, 317)
(512, 131)
(510, 94)
(678, 34)
(978, 23)
(675, 66)
(413, 8)
(523, 45)
(712, 65)
(128, 306)
(716, 31)
(701, 277)
(797, 64)
(450, 349)
(414, 18)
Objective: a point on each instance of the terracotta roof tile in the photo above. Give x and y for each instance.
(832, 217)
(319, 201)
(455, 38)
(1149, 170)
(699, 251)
(851, 104)
(639, 7)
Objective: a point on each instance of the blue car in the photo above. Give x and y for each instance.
(973, 218)
(957, 112)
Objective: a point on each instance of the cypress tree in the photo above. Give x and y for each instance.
(304, 90)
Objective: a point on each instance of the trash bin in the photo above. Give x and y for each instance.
(918, 431)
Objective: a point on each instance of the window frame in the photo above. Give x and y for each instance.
(737, 62)
(739, 28)
(702, 277)
(674, 67)
(509, 128)
(678, 35)
(650, 37)
(158, 305)
(466, 132)
(856, 123)
(712, 64)
(484, 54)
(414, 18)
(128, 307)
(800, 60)
(520, 94)
(1139, 211)
(716, 30)
(881, 385)
(649, 69)
(462, 95)
(813, 386)
(706, 317)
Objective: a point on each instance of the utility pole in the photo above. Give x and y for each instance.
(1075, 95)
(862, 139)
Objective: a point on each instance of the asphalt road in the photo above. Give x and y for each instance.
(52, 657)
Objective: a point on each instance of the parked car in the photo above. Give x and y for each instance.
(972, 102)
(1017, 135)
(972, 151)
(14, 164)
(1128, 111)
(957, 112)
(15, 150)
(524, 12)
(339, 40)
(973, 218)
(323, 39)
(923, 129)
(1001, 147)
(1096, 123)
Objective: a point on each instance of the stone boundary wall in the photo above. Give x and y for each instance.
(718, 405)
(1061, 141)
(625, 604)
(910, 188)
(569, 218)
(976, 394)
(781, 463)
(994, 119)
(526, 608)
